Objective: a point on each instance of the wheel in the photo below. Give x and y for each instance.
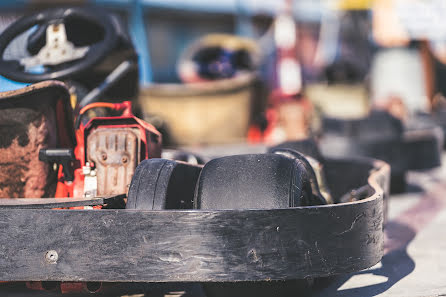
(263, 181)
(163, 184)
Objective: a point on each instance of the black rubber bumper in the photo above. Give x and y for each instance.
(201, 246)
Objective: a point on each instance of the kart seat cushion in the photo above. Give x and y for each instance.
(163, 184)
(257, 181)
(28, 122)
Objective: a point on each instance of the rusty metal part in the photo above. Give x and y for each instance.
(115, 153)
(32, 118)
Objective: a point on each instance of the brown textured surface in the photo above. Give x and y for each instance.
(28, 124)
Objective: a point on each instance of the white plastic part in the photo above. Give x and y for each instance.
(57, 49)
(90, 184)
(290, 76)
(285, 32)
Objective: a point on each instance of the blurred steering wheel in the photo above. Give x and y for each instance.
(62, 58)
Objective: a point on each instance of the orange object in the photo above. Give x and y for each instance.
(289, 111)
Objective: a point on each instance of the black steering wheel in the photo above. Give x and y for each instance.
(64, 58)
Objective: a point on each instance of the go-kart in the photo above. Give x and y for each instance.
(416, 144)
(106, 141)
(88, 49)
(257, 221)
(51, 150)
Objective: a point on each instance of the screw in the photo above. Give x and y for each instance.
(124, 159)
(104, 156)
(51, 257)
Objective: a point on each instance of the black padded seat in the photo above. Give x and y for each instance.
(257, 181)
(163, 184)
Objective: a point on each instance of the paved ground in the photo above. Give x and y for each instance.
(414, 263)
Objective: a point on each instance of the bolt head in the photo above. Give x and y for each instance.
(51, 256)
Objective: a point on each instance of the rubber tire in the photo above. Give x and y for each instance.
(255, 289)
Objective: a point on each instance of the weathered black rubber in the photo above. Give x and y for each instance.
(411, 147)
(202, 245)
(163, 184)
(316, 198)
(276, 180)
(423, 144)
(255, 181)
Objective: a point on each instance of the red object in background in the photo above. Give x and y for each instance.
(70, 287)
(150, 143)
(285, 116)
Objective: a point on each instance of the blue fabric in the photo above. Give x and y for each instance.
(10, 85)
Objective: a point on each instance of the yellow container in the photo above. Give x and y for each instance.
(213, 112)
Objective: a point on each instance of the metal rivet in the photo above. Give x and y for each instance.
(51, 257)
(104, 156)
(124, 159)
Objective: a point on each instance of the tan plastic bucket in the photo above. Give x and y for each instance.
(202, 113)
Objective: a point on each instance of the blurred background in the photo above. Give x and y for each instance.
(266, 71)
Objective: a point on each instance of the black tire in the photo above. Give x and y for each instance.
(148, 191)
(260, 288)
(143, 186)
(163, 184)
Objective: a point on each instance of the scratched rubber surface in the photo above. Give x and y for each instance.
(340, 246)
(413, 264)
(415, 252)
